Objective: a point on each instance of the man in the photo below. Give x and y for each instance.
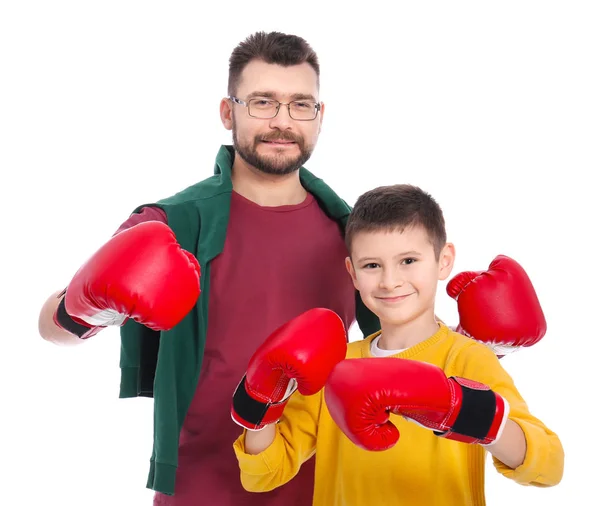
(268, 239)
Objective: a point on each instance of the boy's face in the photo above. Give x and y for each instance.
(397, 273)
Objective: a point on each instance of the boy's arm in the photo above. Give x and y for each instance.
(282, 383)
(511, 447)
(257, 441)
(527, 452)
(271, 457)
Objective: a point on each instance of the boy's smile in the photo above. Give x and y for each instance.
(394, 299)
(397, 274)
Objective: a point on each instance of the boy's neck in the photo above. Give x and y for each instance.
(405, 335)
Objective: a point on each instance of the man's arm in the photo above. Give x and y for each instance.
(48, 327)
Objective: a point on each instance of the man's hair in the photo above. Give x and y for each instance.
(395, 208)
(273, 47)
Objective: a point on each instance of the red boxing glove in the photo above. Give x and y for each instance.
(361, 393)
(298, 355)
(498, 307)
(140, 273)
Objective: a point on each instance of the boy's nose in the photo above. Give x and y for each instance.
(390, 280)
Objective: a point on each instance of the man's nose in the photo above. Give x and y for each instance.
(282, 120)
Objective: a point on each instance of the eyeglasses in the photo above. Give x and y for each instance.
(266, 108)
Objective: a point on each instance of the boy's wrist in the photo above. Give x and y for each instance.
(257, 441)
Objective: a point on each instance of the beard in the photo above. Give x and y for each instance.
(278, 164)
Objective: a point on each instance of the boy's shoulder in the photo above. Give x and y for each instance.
(460, 340)
(466, 350)
(360, 348)
(468, 344)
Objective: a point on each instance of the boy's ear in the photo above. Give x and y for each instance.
(446, 262)
(351, 271)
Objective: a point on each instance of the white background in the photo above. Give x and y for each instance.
(493, 107)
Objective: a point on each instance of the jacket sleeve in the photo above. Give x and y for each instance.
(544, 457)
(295, 442)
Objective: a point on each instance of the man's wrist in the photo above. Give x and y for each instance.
(74, 326)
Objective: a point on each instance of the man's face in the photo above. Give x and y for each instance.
(280, 145)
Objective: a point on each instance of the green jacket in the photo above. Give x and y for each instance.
(166, 365)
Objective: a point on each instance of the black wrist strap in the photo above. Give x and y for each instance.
(67, 323)
(247, 408)
(476, 413)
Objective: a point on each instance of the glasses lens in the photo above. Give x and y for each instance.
(262, 108)
(303, 110)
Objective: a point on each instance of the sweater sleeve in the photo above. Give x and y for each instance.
(295, 442)
(544, 457)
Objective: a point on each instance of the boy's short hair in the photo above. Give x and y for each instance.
(395, 208)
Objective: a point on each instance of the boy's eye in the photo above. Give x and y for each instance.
(371, 265)
(408, 261)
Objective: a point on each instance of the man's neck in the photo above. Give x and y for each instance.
(268, 190)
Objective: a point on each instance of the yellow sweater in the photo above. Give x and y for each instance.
(421, 469)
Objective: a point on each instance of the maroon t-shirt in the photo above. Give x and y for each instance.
(277, 262)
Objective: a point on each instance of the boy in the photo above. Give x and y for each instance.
(410, 371)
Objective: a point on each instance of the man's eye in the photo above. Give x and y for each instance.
(262, 103)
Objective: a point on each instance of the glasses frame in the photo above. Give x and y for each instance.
(241, 102)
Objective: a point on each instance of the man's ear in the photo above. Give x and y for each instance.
(446, 262)
(351, 271)
(226, 112)
(321, 113)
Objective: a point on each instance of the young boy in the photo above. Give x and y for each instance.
(410, 371)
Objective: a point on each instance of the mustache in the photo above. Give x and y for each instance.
(281, 136)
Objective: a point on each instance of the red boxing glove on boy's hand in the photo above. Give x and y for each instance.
(361, 393)
(499, 306)
(299, 354)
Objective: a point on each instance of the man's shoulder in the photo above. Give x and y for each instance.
(202, 190)
(334, 205)
(145, 213)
